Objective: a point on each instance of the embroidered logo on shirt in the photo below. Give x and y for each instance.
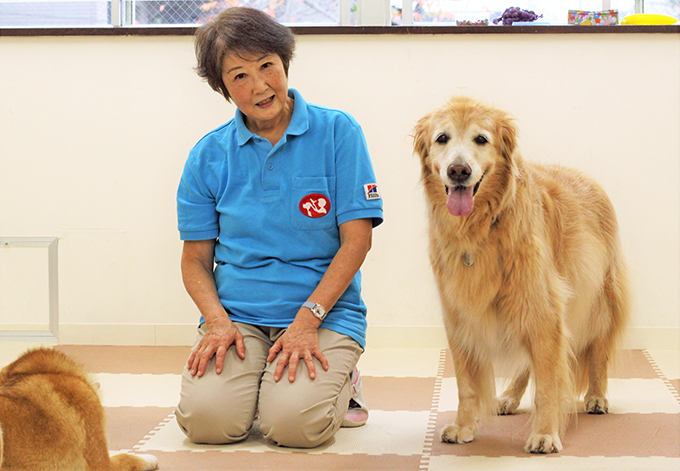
(371, 191)
(315, 205)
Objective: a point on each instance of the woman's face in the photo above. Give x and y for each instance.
(258, 86)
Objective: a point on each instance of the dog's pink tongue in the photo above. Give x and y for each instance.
(460, 201)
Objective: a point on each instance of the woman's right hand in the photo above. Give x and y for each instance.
(198, 257)
(219, 336)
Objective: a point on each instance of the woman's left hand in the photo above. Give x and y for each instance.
(299, 341)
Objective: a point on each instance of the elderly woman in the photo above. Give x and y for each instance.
(276, 209)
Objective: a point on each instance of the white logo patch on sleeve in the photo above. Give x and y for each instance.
(371, 191)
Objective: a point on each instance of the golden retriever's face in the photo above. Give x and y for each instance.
(461, 144)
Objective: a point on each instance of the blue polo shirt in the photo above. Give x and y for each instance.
(276, 211)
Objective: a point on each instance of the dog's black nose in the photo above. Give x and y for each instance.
(458, 173)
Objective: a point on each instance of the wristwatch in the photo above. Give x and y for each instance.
(317, 309)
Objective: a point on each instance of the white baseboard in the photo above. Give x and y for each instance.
(391, 336)
(639, 338)
(652, 338)
(128, 334)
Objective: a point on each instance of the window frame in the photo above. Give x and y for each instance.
(373, 17)
(351, 30)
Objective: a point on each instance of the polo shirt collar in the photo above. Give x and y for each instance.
(299, 122)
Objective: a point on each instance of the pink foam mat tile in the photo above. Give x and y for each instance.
(391, 394)
(126, 426)
(132, 360)
(611, 435)
(299, 461)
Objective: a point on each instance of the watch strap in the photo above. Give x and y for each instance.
(315, 308)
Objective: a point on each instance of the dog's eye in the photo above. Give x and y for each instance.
(481, 140)
(443, 138)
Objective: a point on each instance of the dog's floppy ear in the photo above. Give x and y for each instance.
(507, 131)
(420, 142)
(420, 137)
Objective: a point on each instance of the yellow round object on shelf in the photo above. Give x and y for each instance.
(648, 19)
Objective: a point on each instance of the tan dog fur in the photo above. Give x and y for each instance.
(51, 419)
(547, 285)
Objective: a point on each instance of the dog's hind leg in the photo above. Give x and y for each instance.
(614, 312)
(510, 399)
(597, 360)
(476, 391)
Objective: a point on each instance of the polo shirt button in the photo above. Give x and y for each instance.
(270, 167)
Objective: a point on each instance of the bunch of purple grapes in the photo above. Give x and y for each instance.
(512, 14)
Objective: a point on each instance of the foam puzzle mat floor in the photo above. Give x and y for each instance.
(412, 395)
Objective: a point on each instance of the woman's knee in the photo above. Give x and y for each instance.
(210, 415)
(205, 423)
(294, 428)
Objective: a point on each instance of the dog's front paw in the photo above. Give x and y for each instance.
(457, 434)
(134, 462)
(150, 461)
(596, 405)
(539, 443)
(507, 405)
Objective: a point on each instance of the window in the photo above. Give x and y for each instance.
(663, 7)
(432, 12)
(157, 12)
(53, 13)
(87, 13)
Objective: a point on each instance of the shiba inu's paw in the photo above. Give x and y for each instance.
(151, 462)
(507, 405)
(596, 405)
(539, 443)
(130, 462)
(457, 434)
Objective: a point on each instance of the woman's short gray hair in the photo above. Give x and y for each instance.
(240, 31)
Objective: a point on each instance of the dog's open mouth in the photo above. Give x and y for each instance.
(460, 199)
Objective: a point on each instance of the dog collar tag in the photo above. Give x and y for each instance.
(468, 259)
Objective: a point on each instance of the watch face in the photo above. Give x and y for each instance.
(319, 311)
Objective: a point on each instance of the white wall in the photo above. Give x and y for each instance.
(94, 132)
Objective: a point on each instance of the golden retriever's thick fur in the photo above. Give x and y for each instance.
(529, 267)
(51, 419)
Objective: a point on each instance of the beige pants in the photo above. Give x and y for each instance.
(219, 409)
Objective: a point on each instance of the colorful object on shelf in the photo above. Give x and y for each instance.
(648, 19)
(593, 18)
(472, 23)
(514, 14)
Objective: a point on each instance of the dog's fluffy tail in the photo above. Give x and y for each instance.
(612, 311)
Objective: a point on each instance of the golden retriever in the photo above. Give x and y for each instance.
(51, 419)
(529, 267)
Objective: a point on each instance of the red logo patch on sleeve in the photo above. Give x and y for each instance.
(315, 205)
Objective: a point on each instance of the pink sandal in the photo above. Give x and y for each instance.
(357, 414)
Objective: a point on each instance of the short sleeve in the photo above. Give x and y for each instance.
(197, 216)
(358, 194)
